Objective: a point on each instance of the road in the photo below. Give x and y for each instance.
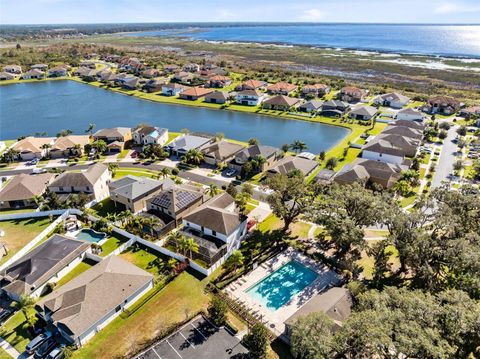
(258, 194)
(447, 158)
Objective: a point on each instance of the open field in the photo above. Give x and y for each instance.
(18, 233)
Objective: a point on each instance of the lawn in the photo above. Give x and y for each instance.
(121, 172)
(146, 259)
(14, 333)
(179, 300)
(172, 136)
(122, 155)
(19, 233)
(113, 242)
(105, 207)
(368, 263)
(298, 229)
(79, 269)
(4, 354)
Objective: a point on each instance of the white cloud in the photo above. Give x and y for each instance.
(312, 15)
(225, 15)
(451, 8)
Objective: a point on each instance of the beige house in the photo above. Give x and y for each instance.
(93, 181)
(120, 134)
(68, 146)
(33, 147)
(132, 193)
(23, 188)
(221, 151)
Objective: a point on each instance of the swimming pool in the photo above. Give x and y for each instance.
(89, 235)
(281, 286)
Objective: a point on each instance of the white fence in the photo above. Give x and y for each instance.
(39, 237)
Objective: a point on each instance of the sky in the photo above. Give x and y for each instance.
(115, 11)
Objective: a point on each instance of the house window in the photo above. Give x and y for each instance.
(88, 188)
(214, 233)
(61, 189)
(203, 229)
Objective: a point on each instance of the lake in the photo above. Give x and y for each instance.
(51, 106)
(450, 40)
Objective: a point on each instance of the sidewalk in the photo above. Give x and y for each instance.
(8, 348)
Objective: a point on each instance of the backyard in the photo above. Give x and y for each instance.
(113, 242)
(13, 332)
(146, 259)
(18, 233)
(79, 269)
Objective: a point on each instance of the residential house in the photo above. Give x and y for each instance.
(352, 94)
(442, 105)
(194, 93)
(292, 163)
(470, 112)
(33, 147)
(219, 97)
(57, 71)
(334, 108)
(6, 76)
(218, 227)
(149, 135)
(130, 64)
(105, 75)
(251, 85)
(370, 172)
(22, 189)
(250, 97)
(254, 152)
(390, 148)
(410, 124)
(173, 89)
(403, 131)
(130, 82)
(280, 102)
(335, 302)
(154, 85)
(33, 74)
(409, 114)
(41, 67)
(316, 90)
(363, 112)
(150, 73)
(86, 74)
(220, 152)
(13, 69)
(115, 134)
(86, 304)
(46, 263)
(92, 181)
(192, 67)
(311, 106)
(182, 144)
(132, 193)
(88, 64)
(176, 201)
(218, 81)
(170, 69)
(67, 146)
(393, 100)
(281, 88)
(325, 176)
(183, 77)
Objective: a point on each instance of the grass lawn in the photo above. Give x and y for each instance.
(367, 262)
(18, 233)
(146, 259)
(105, 207)
(298, 229)
(14, 211)
(122, 155)
(122, 172)
(4, 354)
(113, 242)
(14, 333)
(172, 136)
(79, 269)
(173, 304)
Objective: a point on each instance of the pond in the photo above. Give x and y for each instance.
(29, 108)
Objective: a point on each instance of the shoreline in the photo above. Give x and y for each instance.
(355, 130)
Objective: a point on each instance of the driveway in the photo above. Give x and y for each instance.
(446, 160)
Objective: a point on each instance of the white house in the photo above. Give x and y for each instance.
(46, 263)
(394, 100)
(33, 74)
(85, 305)
(148, 135)
(409, 114)
(173, 89)
(250, 97)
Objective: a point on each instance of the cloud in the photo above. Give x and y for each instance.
(451, 8)
(312, 15)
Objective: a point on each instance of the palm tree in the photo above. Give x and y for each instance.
(259, 162)
(191, 246)
(38, 200)
(125, 216)
(298, 146)
(25, 305)
(76, 150)
(10, 155)
(114, 217)
(172, 263)
(46, 147)
(212, 190)
(235, 260)
(151, 222)
(193, 156)
(242, 199)
(182, 244)
(165, 172)
(90, 128)
(113, 168)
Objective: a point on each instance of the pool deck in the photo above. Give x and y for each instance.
(275, 320)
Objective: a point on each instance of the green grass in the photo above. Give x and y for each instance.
(105, 207)
(146, 259)
(298, 229)
(113, 242)
(122, 172)
(16, 211)
(79, 269)
(172, 136)
(368, 263)
(180, 299)
(14, 333)
(19, 233)
(122, 155)
(4, 354)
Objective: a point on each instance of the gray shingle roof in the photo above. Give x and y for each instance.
(25, 186)
(80, 179)
(288, 164)
(133, 187)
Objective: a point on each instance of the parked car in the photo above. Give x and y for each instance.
(45, 348)
(4, 314)
(33, 162)
(230, 172)
(37, 342)
(39, 170)
(56, 353)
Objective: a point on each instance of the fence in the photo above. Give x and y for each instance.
(39, 237)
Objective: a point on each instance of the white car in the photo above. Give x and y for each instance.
(39, 170)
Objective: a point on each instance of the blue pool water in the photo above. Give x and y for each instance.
(279, 287)
(89, 235)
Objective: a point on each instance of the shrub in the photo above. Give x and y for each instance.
(217, 311)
